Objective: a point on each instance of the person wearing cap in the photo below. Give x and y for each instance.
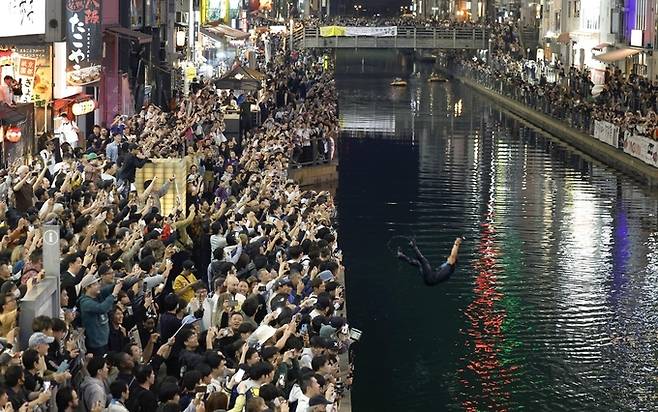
(323, 307)
(92, 167)
(95, 303)
(318, 404)
(282, 286)
(40, 342)
(185, 283)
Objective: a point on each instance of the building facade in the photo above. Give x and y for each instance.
(601, 33)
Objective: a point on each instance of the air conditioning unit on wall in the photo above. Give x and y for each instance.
(182, 17)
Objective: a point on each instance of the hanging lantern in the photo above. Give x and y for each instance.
(13, 135)
(5, 57)
(180, 38)
(83, 107)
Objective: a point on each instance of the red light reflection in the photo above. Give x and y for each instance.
(485, 377)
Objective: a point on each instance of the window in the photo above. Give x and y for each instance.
(576, 8)
(557, 21)
(614, 21)
(569, 10)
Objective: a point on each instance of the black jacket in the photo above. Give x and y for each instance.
(130, 164)
(142, 400)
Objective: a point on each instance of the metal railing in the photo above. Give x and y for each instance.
(318, 151)
(407, 37)
(578, 116)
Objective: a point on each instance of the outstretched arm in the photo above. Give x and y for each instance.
(452, 259)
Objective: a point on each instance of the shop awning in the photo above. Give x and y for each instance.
(137, 36)
(563, 38)
(9, 116)
(212, 34)
(240, 78)
(616, 55)
(224, 30)
(601, 46)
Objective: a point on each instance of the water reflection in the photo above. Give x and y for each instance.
(554, 303)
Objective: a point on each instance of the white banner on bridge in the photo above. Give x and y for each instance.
(642, 148)
(606, 132)
(385, 31)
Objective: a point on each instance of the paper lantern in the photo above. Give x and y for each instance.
(180, 38)
(13, 135)
(83, 107)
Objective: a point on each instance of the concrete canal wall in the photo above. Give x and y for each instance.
(606, 154)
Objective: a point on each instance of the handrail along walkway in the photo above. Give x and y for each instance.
(408, 37)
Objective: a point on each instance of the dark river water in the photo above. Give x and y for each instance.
(553, 304)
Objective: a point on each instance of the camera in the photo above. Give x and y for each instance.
(340, 387)
(355, 334)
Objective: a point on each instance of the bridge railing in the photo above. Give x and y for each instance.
(407, 36)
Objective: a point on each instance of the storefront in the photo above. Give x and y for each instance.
(27, 58)
(78, 62)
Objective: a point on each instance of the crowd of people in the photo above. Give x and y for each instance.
(494, 27)
(569, 94)
(232, 300)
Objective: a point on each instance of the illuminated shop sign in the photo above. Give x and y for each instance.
(83, 107)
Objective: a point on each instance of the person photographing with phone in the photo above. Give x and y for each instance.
(95, 303)
(185, 283)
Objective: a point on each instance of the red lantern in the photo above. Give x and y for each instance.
(13, 135)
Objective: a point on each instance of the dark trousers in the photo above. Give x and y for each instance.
(430, 276)
(102, 351)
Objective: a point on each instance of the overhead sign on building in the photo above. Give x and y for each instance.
(83, 41)
(22, 17)
(339, 31)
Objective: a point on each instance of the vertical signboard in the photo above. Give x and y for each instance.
(27, 68)
(83, 41)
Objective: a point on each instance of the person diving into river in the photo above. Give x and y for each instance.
(431, 276)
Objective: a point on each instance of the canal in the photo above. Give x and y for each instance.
(553, 305)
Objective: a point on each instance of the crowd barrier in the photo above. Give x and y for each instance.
(641, 147)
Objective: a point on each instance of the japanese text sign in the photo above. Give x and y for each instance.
(22, 17)
(83, 41)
